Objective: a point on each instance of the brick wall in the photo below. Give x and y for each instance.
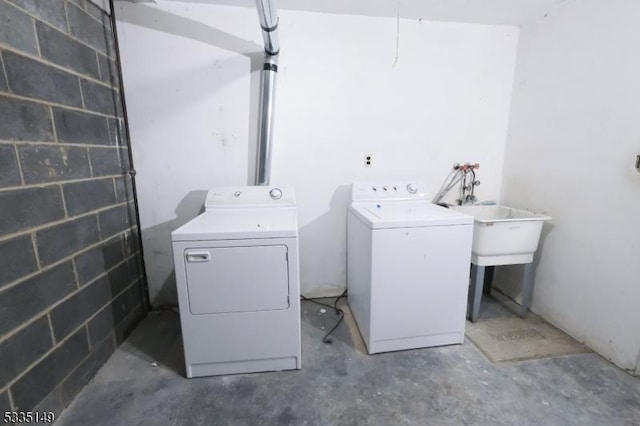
(70, 276)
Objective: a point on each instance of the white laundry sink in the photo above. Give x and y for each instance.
(502, 235)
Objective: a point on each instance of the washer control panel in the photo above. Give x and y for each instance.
(249, 196)
(388, 190)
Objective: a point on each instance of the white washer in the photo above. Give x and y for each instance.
(238, 282)
(407, 268)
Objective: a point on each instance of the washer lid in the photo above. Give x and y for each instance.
(408, 214)
(242, 223)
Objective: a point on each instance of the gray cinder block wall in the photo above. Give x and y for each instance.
(70, 276)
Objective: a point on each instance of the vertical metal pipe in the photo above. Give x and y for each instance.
(268, 15)
(265, 130)
(132, 172)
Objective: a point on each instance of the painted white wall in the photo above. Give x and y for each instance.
(188, 107)
(573, 138)
(340, 95)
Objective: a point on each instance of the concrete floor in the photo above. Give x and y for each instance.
(143, 384)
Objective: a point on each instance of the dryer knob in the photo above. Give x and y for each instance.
(412, 188)
(275, 193)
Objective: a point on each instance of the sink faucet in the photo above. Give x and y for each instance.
(466, 175)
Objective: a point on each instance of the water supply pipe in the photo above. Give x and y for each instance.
(268, 15)
(460, 173)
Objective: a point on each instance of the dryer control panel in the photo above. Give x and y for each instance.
(388, 191)
(249, 196)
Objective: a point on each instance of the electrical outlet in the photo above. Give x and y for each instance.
(368, 159)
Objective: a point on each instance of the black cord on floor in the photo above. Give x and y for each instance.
(335, 304)
(327, 337)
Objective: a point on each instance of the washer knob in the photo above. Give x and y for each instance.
(385, 188)
(412, 188)
(275, 193)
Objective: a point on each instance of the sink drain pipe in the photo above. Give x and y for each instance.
(268, 15)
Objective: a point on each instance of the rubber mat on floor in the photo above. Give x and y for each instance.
(518, 339)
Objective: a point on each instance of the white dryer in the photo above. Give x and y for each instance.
(238, 282)
(407, 268)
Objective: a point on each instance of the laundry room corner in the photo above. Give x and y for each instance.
(319, 212)
(446, 98)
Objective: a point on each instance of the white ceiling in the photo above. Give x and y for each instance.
(497, 12)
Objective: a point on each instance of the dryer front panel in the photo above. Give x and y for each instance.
(237, 279)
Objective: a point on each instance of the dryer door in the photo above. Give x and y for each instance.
(237, 279)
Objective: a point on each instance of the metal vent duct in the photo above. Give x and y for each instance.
(268, 15)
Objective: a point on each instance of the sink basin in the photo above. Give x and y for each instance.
(502, 235)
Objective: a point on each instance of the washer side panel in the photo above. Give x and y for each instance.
(359, 273)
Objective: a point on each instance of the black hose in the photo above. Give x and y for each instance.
(327, 337)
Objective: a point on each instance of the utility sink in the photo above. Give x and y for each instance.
(503, 235)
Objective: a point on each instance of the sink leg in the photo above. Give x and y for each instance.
(527, 288)
(488, 279)
(477, 283)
